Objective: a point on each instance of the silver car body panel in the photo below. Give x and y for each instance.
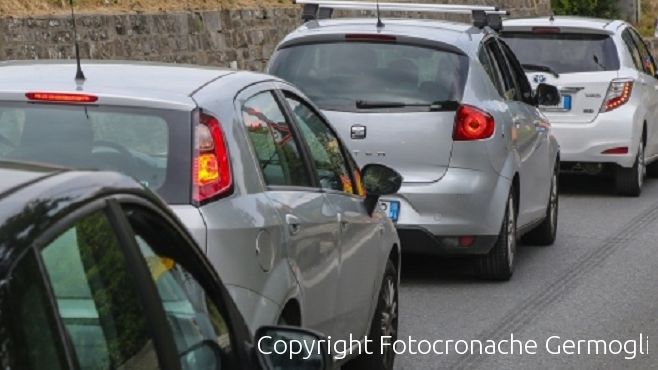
(245, 235)
(585, 132)
(450, 188)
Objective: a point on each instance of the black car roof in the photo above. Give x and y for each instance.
(33, 197)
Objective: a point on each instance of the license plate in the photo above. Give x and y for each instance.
(392, 209)
(566, 102)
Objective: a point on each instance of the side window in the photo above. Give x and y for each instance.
(632, 48)
(279, 156)
(509, 83)
(491, 69)
(522, 83)
(200, 329)
(324, 146)
(96, 298)
(28, 333)
(648, 64)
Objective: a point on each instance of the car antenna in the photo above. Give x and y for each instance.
(79, 75)
(380, 24)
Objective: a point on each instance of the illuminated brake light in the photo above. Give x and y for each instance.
(472, 124)
(61, 97)
(212, 177)
(619, 93)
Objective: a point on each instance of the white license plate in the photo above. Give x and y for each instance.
(392, 208)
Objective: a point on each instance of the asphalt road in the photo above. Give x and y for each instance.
(599, 281)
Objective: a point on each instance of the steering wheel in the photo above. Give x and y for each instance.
(132, 165)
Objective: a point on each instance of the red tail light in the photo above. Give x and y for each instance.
(61, 97)
(619, 93)
(472, 124)
(212, 177)
(619, 150)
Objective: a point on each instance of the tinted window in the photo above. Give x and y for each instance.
(337, 75)
(96, 298)
(524, 92)
(28, 335)
(137, 142)
(491, 69)
(324, 146)
(632, 49)
(195, 321)
(510, 89)
(565, 52)
(646, 58)
(274, 143)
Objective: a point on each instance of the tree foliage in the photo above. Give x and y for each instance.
(588, 8)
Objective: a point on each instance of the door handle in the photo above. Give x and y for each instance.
(342, 222)
(294, 226)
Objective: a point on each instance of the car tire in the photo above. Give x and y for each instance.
(384, 323)
(545, 233)
(498, 264)
(629, 181)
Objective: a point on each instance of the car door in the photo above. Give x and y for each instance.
(524, 131)
(309, 218)
(649, 86)
(540, 165)
(360, 236)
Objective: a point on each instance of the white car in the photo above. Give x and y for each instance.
(607, 118)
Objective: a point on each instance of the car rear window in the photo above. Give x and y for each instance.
(565, 52)
(153, 146)
(338, 75)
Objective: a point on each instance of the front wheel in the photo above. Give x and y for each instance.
(384, 324)
(545, 233)
(499, 263)
(629, 181)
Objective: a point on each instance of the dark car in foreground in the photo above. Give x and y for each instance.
(96, 273)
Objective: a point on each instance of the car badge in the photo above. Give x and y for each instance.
(358, 132)
(540, 79)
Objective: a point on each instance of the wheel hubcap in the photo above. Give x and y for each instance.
(389, 319)
(511, 233)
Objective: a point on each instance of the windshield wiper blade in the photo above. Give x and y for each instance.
(540, 68)
(447, 105)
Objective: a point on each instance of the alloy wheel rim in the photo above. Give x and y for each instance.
(389, 318)
(511, 233)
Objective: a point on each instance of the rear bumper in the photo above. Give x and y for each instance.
(585, 142)
(463, 203)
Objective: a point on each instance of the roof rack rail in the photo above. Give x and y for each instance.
(322, 9)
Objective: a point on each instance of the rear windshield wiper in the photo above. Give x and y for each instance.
(540, 68)
(438, 106)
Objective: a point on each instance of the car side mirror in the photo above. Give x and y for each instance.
(205, 355)
(282, 347)
(547, 95)
(379, 180)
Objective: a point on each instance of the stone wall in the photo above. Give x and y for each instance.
(244, 37)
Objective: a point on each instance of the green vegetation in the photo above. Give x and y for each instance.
(588, 8)
(647, 24)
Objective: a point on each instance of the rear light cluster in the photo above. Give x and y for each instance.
(619, 93)
(472, 124)
(212, 177)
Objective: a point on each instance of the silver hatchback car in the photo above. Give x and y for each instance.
(248, 164)
(447, 105)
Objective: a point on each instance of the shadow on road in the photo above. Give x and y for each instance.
(587, 185)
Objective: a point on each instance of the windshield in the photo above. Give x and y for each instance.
(564, 52)
(137, 142)
(349, 76)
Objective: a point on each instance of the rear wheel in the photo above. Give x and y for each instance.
(499, 263)
(384, 324)
(544, 234)
(629, 181)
